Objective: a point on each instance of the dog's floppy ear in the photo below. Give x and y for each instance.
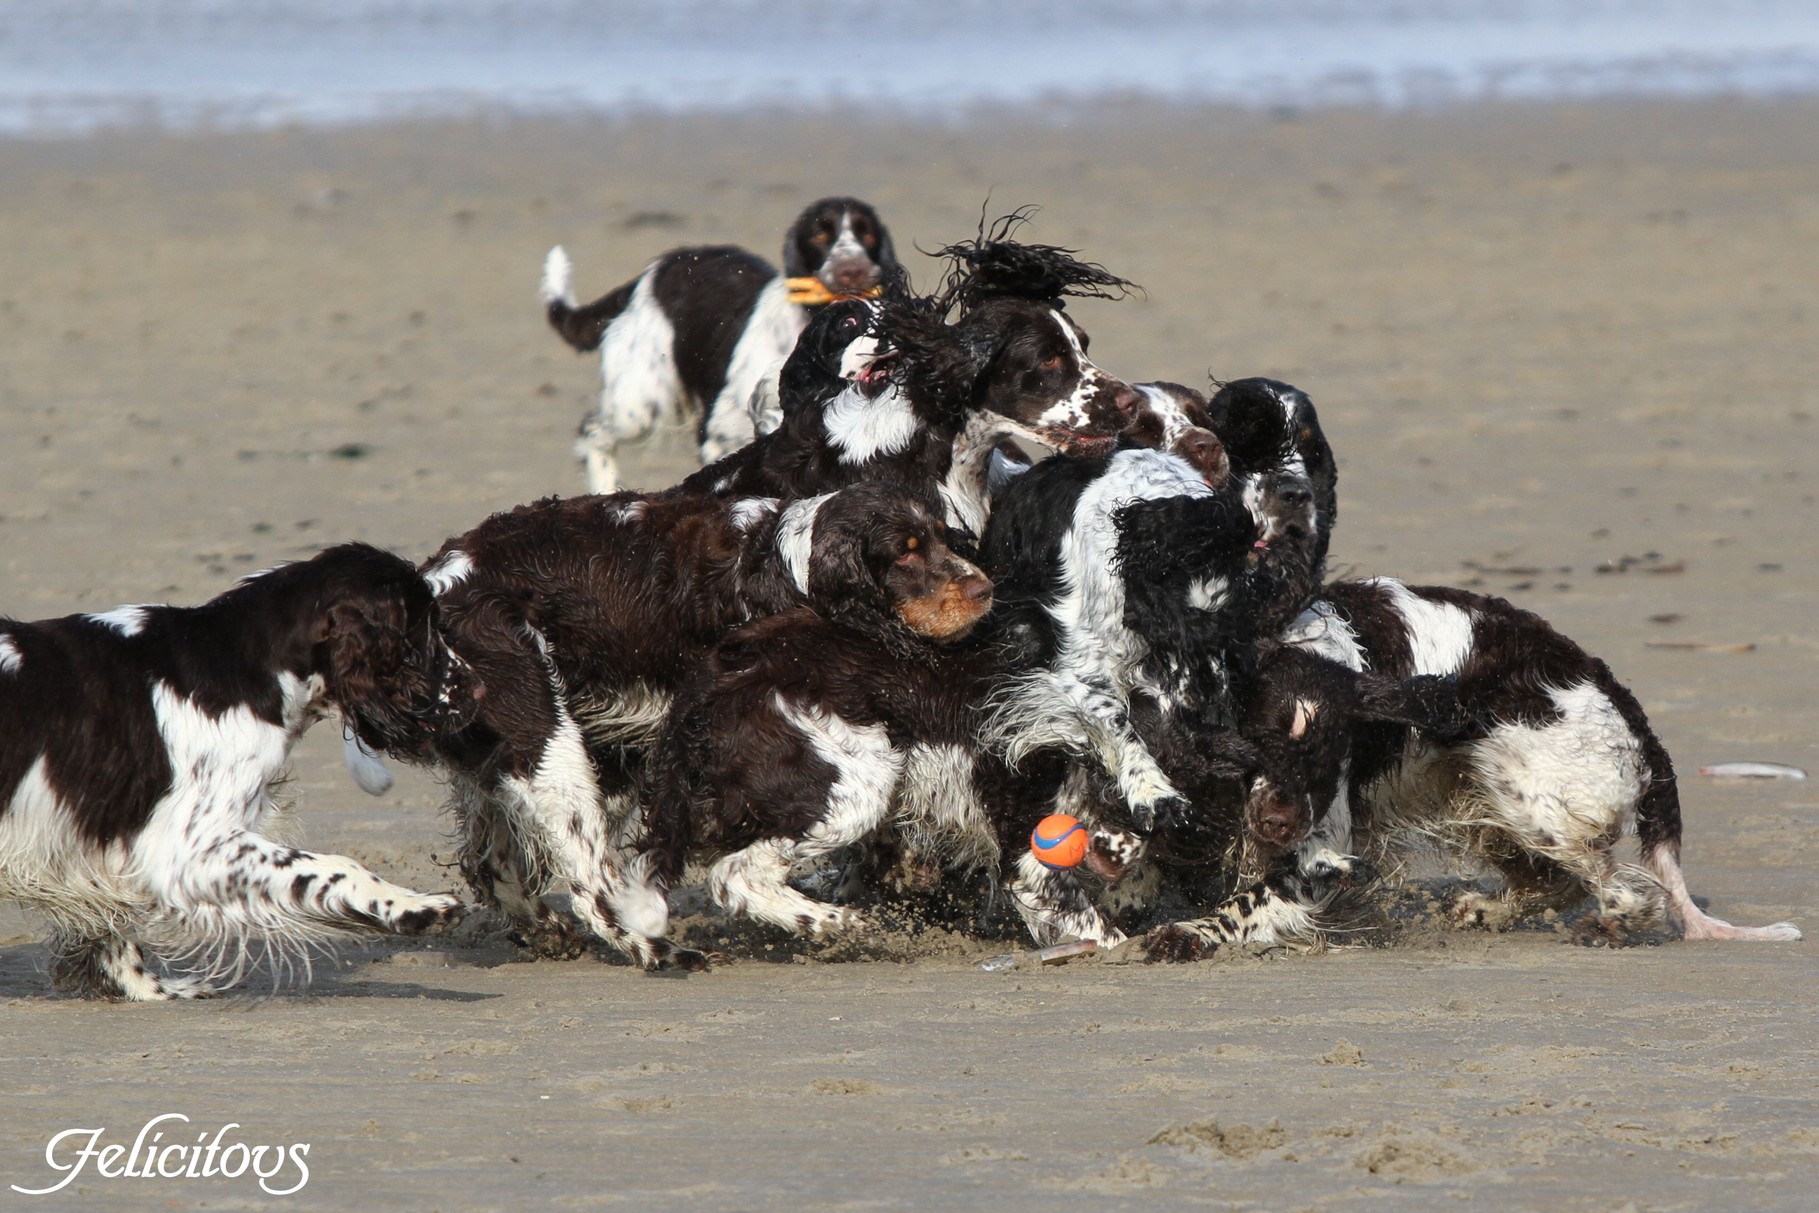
(1249, 420)
(1160, 538)
(841, 584)
(1426, 702)
(377, 674)
(1226, 754)
(886, 258)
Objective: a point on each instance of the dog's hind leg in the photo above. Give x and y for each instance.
(500, 872)
(597, 449)
(558, 805)
(559, 810)
(245, 885)
(639, 385)
(770, 334)
(867, 770)
(533, 817)
(1562, 792)
(1282, 908)
(755, 882)
(115, 967)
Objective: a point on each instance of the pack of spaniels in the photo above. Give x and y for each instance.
(872, 645)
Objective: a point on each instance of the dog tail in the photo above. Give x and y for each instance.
(1658, 830)
(367, 768)
(557, 272)
(581, 327)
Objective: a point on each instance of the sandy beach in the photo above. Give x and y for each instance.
(1543, 339)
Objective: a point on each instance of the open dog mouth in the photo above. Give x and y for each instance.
(1270, 537)
(877, 374)
(1073, 442)
(1105, 867)
(1261, 547)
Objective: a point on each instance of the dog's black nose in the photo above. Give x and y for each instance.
(1293, 493)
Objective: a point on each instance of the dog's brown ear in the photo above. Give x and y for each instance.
(841, 584)
(1426, 702)
(375, 672)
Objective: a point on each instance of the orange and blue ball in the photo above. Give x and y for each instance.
(1058, 842)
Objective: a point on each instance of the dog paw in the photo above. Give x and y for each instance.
(660, 955)
(550, 941)
(1329, 873)
(688, 960)
(1173, 944)
(832, 921)
(436, 913)
(1112, 852)
(1598, 931)
(185, 988)
(1158, 814)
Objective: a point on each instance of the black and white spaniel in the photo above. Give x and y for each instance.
(1131, 571)
(1552, 762)
(1129, 578)
(586, 616)
(1151, 580)
(810, 730)
(138, 749)
(695, 333)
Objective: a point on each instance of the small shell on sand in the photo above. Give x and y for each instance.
(1752, 770)
(1700, 646)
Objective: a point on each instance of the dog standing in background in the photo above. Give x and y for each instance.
(695, 333)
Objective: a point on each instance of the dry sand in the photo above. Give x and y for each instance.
(1541, 339)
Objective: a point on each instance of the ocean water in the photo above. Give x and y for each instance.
(75, 65)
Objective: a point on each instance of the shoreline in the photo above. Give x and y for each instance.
(1055, 110)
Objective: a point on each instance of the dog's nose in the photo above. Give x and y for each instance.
(1202, 449)
(851, 275)
(1294, 493)
(1276, 824)
(976, 588)
(1126, 402)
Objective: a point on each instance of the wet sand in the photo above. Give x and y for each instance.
(1542, 339)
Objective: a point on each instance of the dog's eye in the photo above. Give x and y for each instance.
(911, 544)
(1053, 362)
(824, 238)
